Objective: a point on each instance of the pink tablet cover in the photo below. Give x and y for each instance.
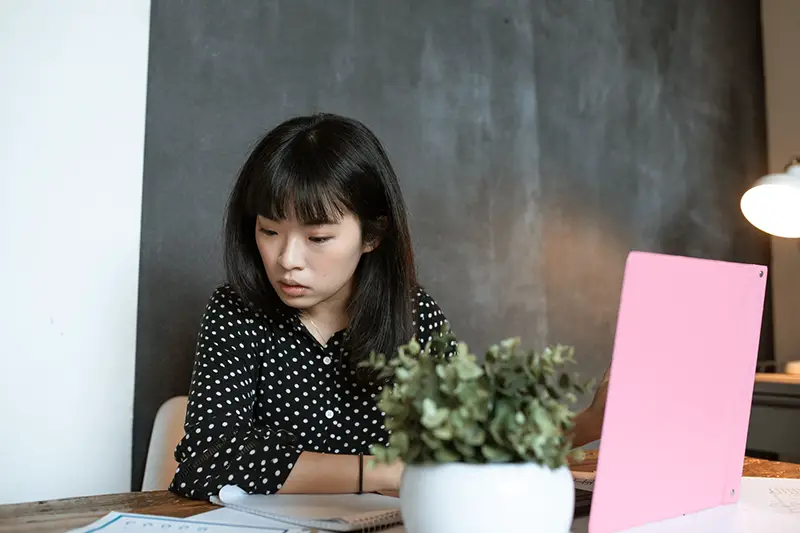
(681, 385)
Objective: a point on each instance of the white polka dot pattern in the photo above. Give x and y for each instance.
(263, 390)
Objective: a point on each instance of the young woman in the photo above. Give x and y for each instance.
(320, 273)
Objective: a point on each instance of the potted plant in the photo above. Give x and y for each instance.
(485, 444)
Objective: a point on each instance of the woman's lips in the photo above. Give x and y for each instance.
(292, 289)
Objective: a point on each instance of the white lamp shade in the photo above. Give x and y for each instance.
(773, 203)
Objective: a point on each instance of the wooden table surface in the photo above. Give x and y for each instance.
(58, 516)
(778, 378)
(752, 467)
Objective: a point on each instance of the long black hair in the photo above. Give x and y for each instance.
(320, 167)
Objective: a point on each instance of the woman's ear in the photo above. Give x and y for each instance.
(377, 230)
(371, 245)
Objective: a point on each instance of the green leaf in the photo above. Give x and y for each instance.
(545, 423)
(414, 451)
(499, 423)
(443, 432)
(473, 435)
(433, 419)
(509, 344)
(428, 407)
(468, 453)
(399, 440)
(392, 454)
(414, 348)
(380, 454)
(462, 350)
(443, 455)
(430, 441)
(494, 454)
(468, 370)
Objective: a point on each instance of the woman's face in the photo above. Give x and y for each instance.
(308, 265)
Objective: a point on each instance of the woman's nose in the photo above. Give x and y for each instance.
(291, 256)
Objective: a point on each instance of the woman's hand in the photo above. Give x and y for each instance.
(598, 405)
(589, 422)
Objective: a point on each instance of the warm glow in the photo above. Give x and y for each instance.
(773, 204)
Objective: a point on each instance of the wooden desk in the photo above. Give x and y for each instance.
(57, 516)
(752, 467)
(764, 377)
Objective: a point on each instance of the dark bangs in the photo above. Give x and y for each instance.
(307, 185)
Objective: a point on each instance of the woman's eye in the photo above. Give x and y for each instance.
(319, 240)
(267, 231)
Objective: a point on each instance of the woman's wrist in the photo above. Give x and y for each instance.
(381, 477)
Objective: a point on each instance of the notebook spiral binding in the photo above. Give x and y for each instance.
(376, 523)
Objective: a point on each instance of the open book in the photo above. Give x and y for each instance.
(332, 512)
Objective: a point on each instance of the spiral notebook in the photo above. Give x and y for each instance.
(330, 512)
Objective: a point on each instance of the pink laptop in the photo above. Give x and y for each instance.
(680, 389)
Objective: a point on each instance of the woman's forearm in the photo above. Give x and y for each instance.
(586, 428)
(588, 424)
(320, 473)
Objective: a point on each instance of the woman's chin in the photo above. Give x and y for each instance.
(297, 302)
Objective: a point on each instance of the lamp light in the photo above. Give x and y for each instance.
(772, 204)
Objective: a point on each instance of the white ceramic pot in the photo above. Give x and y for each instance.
(487, 498)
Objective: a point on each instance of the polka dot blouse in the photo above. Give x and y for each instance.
(263, 390)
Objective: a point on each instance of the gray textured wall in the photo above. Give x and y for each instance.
(537, 143)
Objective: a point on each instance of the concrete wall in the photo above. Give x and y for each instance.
(537, 143)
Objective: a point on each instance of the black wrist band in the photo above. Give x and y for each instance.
(360, 473)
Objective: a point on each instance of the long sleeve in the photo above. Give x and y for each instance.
(429, 317)
(222, 444)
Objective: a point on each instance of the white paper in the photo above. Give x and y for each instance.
(232, 516)
(227, 515)
(774, 495)
(584, 480)
(765, 505)
(133, 523)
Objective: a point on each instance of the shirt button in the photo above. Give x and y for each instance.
(326, 360)
(329, 414)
